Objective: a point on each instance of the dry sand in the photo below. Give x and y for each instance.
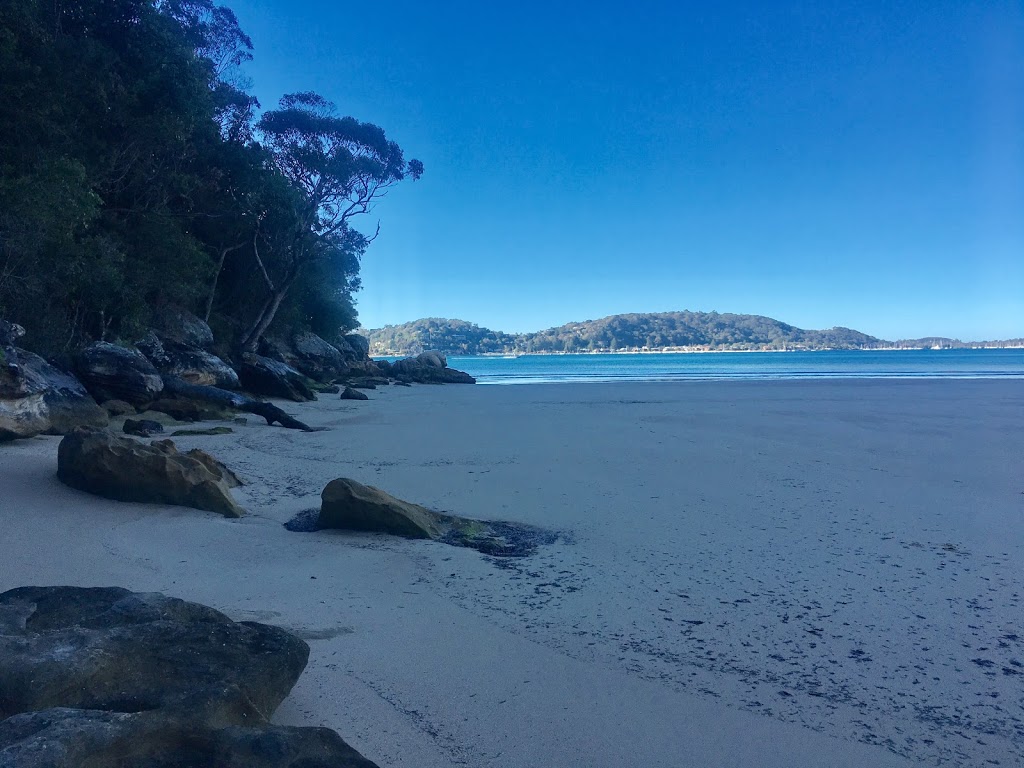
(773, 574)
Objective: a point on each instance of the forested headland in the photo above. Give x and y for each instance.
(656, 331)
(138, 172)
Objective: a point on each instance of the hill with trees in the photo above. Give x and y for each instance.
(649, 331)
(137, 172)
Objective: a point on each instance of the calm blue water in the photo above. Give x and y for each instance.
(954, 364)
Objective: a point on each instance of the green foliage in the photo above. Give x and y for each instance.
(133, 175)
(653, 331)
(453, 337)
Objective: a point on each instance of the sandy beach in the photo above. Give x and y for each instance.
(815, 573)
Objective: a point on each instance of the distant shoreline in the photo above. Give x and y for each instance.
(682, 332)
(692, 351)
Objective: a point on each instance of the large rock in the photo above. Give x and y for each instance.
(111, 372)
(352, 394)
(179, 326)
(310, 355)
(195, 397)
(316, 358)
(108, 678)
(360, 345)
(23, 417)
(350, 505)
(37, 398)
(272, 378)
(141, 427)
(428, 368)
(120, 468)
(356, 351)
(353, 506)
(118, 408)
(81, 738)
(191, 364)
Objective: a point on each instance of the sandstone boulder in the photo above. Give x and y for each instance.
(89, 738)
(22, 417)
(316, 358)
(118, 407)
(360, 345)
(108, 678)
(353, 506)
(272, 378)
(350, 505)
(192, 364)
(213, 397)
(141, 427)
(179, 326)
(428, 368)
(37, 398)
(120, 468)
(353, 394)
(111, 372)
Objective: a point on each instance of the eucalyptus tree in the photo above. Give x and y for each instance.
(339, 168)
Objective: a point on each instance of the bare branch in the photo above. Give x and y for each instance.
(371, 239)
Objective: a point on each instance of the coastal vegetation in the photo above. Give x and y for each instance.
(660, 331)
(137, 172)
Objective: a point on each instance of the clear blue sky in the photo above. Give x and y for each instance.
(824, 163)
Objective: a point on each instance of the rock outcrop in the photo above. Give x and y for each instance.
(179, 326)
(118, 408)
(321, 360)
(36, 398)
(141, 427)
(192, 364)
(108, 678)
(353, 506)
(120, 468)
(272, 378)
(428, 368)
(316, 358)
(356, 351)
(352, 394)
(195, 398)
(111, 372)
(360, 346)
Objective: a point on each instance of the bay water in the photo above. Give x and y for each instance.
(833, 364)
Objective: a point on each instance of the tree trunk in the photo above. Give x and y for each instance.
(251, 340)
(216, 279)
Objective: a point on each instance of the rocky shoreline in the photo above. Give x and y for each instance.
(108, 677)
(177, 369)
